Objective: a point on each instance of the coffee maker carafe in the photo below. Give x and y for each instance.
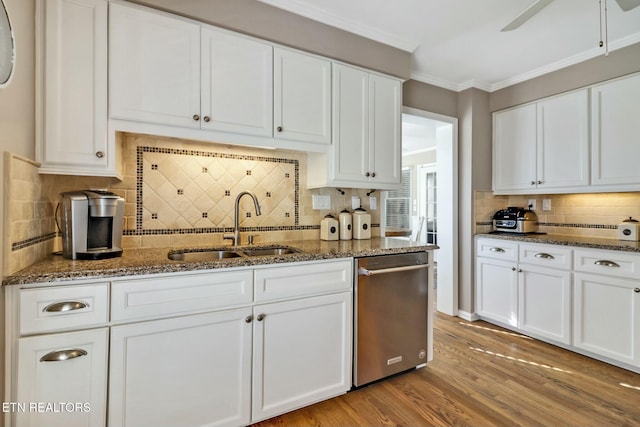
(91, 224)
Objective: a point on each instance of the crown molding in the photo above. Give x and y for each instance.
(322, 16)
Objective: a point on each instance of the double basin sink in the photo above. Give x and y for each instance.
(198, 255)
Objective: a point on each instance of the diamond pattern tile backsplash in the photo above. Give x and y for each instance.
(182, 189)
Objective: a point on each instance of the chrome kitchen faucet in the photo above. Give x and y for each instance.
(236, 228)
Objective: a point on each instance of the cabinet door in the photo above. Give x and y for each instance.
(154, 67)
(67, 367)
(607, 317)
(237, 83)
(186, 371)
(350, 124)
(545, 302)
(497, 291)
(514, 149)
(385, 124)
(615, 130)
(563, 141)
(302, 353)
(74, 57)
(302, 97)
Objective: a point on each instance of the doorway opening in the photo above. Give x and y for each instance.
(426, 208)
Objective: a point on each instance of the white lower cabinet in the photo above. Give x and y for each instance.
(607, 317)
(62, 379)
(544, 307)
(302, 353)
(187, 371)
(525, 286)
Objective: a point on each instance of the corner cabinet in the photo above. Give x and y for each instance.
(71, 89)
(542, 147)
(367, 120)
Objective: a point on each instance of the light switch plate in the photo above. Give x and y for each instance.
(546, 204)
(321, 202)
(373, 203)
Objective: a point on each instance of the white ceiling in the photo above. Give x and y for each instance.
(457, 44)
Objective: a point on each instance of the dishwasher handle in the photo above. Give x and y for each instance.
(364, 272)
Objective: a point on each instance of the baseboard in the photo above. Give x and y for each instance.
(470, 317)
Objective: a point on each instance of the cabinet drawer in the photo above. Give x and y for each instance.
(317, 278)
(167, 296)
(498, 249)
(611, 263)
(63, 307)
(546, 255)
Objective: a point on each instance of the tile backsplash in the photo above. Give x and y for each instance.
(177, 194)
(589, 215)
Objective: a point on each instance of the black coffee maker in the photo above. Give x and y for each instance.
(91, 224)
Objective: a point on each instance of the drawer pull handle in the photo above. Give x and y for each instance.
(57, 307)
(606, 263)
(62, 355)
(544, 255)
(500, 250)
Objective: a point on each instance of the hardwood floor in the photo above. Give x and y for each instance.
(483, 375)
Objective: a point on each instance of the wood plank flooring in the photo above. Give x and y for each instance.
(483, 375)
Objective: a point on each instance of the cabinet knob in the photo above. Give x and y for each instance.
(279, 128)
(513, 269)
(260, 317)
(207, 119)
(637, 290)
(519, 270)
(99, 154)
(367, 174)
(533, 183)
(538, 182)
(248, 319)
(373, 174)
(196, 117)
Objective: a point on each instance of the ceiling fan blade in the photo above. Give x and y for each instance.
(528, 14)
(627, 5)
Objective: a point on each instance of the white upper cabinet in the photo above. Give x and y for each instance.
(154, 65)
(366, 150)
(615, 130)
(302, 97)
(542, 147)
(237, 76)
(563, 141)
(71, 111)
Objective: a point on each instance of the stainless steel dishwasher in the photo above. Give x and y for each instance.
(391, 315)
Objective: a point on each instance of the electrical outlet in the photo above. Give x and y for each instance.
(532, 204)
(546, 204)
(355, 202)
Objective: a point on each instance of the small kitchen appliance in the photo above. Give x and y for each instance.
(91, 224)
(346, 221)
(629, 230)
(361, 224)
(329, 228)
(515, 220)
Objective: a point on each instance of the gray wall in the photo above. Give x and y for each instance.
(619, 63)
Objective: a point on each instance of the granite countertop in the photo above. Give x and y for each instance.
(153, 261)
(556, 239)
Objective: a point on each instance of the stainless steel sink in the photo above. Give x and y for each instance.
(199, 256)
(218, 254)
(269, 251)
